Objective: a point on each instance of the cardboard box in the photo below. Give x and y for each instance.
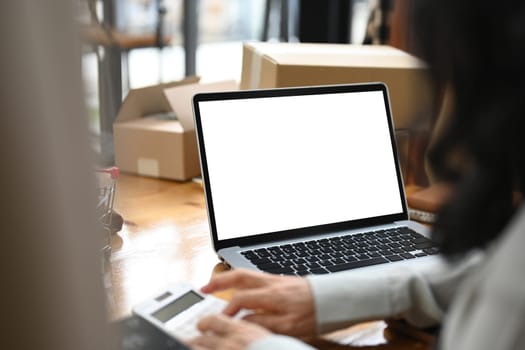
(269, 65)
(148, 139)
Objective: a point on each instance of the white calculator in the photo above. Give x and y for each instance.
(178, 309)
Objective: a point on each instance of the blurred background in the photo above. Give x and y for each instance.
(51, 256)
(135, 43)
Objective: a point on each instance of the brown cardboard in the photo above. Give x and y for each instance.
(269, 65)
(150, 145)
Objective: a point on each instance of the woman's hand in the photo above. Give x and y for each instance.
(282, 304)
(222, 332)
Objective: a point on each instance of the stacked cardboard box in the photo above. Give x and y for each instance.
(276, 65)
(154, 133)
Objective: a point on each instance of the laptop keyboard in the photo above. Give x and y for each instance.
(342, 253)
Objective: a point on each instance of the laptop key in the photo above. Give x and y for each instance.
(302, 254)
(424, 245)
(314, 252)
(339, 261)
(319, 271)
(324, 257)
(313, 265)
(300, 268)
(398, 250)
(268, 266)
(299, 261)
(287, 263)
(312, 258)
(362, 257)
(356, 264)
(262, 252)
(260, 261)
(276, 251)
(409, 248)
(249, 254)
(394, 257)
(281, 270)
(326, 263)
(279, 258)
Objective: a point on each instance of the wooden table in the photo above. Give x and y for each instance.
(165, 239)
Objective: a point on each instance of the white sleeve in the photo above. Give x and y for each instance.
(488, 311)
(279, 342)
(420, 297)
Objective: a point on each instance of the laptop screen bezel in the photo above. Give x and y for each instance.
(305, 231)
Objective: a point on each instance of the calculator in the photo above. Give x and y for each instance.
(178, 309)
(135, 333)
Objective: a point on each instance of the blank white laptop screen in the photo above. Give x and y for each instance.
(281, 163)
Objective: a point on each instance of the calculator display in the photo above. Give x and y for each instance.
(177, 306)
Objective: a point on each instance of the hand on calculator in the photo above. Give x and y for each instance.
(222, 332)
(283, 304)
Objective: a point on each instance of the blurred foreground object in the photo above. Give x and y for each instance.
(51, 286)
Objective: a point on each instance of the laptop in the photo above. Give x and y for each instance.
(306, 180)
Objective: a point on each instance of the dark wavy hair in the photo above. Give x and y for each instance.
(476, 48)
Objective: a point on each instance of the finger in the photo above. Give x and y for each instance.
(240, 279)
(218, 324)
(268, 321)
(251, 299)
(234, 279)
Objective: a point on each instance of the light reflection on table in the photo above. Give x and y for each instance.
(165, 239)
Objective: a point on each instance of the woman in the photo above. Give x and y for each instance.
(476, 49)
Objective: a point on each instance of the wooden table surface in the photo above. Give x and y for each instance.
(165, 239)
